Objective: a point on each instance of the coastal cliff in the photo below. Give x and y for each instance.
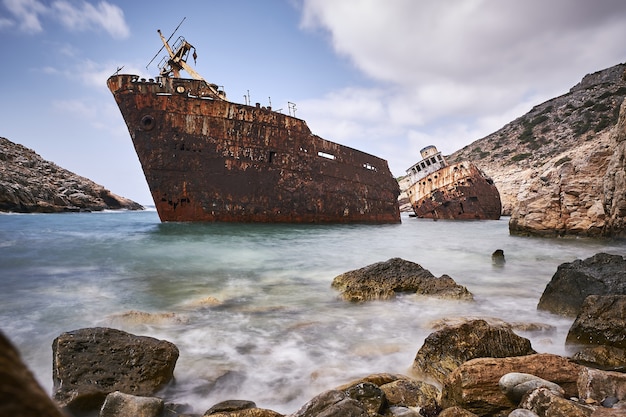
(30, 184)
(560, 168)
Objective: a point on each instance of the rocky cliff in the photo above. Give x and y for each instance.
(28, 184)
(560, 168)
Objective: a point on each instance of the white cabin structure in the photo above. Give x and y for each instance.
(432, 161)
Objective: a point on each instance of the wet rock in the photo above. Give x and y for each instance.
(444, 350)
(370, 396)
(384, 280)
(598, 385)
(546, 403)
(607, 358)
(399, 411)
(230, 405)
(456, 412)
(497, 258)
(20, 393)
(411, 393)
(601, 321)
(516, 384)
(332, 403)
(601, 274)
(89, 364)
(474, 385)
(522, 412)
(118, 404)
(231, 410)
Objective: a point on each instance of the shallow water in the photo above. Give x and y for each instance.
(250, 306)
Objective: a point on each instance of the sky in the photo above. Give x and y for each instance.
(387, 77)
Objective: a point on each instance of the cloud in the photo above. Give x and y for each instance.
(448, 73)
(85, 16)
(27, 12)
(78, 16)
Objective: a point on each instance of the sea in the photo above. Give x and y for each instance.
(250, 306)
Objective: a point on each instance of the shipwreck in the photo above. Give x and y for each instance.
(462, 191)
(207, 159)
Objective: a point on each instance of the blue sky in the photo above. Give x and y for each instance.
(385, 77)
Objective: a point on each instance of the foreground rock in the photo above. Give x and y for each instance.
(474, 385)
(20, 394)
(601, 274)
(384, 280)
(30, 184)
(118, 404)
(601, 321)
(445, 350)
(89, 364)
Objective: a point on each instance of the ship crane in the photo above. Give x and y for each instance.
(177, 61)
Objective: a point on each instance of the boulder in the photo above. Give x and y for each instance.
(608, 358)
(515, 385)
(474, 385)
(546, 403)
(230, 405)
(597, 385)
(383, 280)
(522, 412)
(332, 403)
(243, 412)
(601, 274)
(456, 412)
(444, 350)
(411, 393)
(89, 364)
(601, 321)
(118, 404)
(20, 393)
(369, 395)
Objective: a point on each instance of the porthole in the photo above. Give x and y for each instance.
(147, 122)
(180, 89)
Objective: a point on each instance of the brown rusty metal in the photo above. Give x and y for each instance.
(207, 159)
(460, 191)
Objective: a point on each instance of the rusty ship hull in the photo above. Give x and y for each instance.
(456, 192)
(209, 160)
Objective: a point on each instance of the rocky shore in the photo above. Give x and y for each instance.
(465, 367)
(30, 184)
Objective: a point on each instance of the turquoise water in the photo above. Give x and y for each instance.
(250, 306)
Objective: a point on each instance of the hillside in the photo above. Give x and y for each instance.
(551, 165)
(29, 184)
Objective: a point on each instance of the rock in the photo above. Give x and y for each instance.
(598, 385)
(383, 280)
(444, 350)
(601, 274)
(474, 385)
(370, 396)
(230, 405)
(89, 364)
(601, 321)
(399, 411)
(497, 258)
(614, 198)
(546, 403)
(29, 184)
(20, 393)
(118, 404)
(456, 412)
(522, 412)
(411, 393)
(515, 385)
(244, 412)
(330, 404)
(607, 358)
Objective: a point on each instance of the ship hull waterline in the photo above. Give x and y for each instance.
(209, 160)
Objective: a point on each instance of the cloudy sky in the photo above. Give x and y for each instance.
(386, 77)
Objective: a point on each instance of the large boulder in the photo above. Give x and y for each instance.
(597, 385)
(601, 274)
(444, 350)
(601, 321)
(546, 403)
(383, 280)
(608, 358)
(20, 394)
(332, 403)
(89, 364)
(118, 404)
(474, 385)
